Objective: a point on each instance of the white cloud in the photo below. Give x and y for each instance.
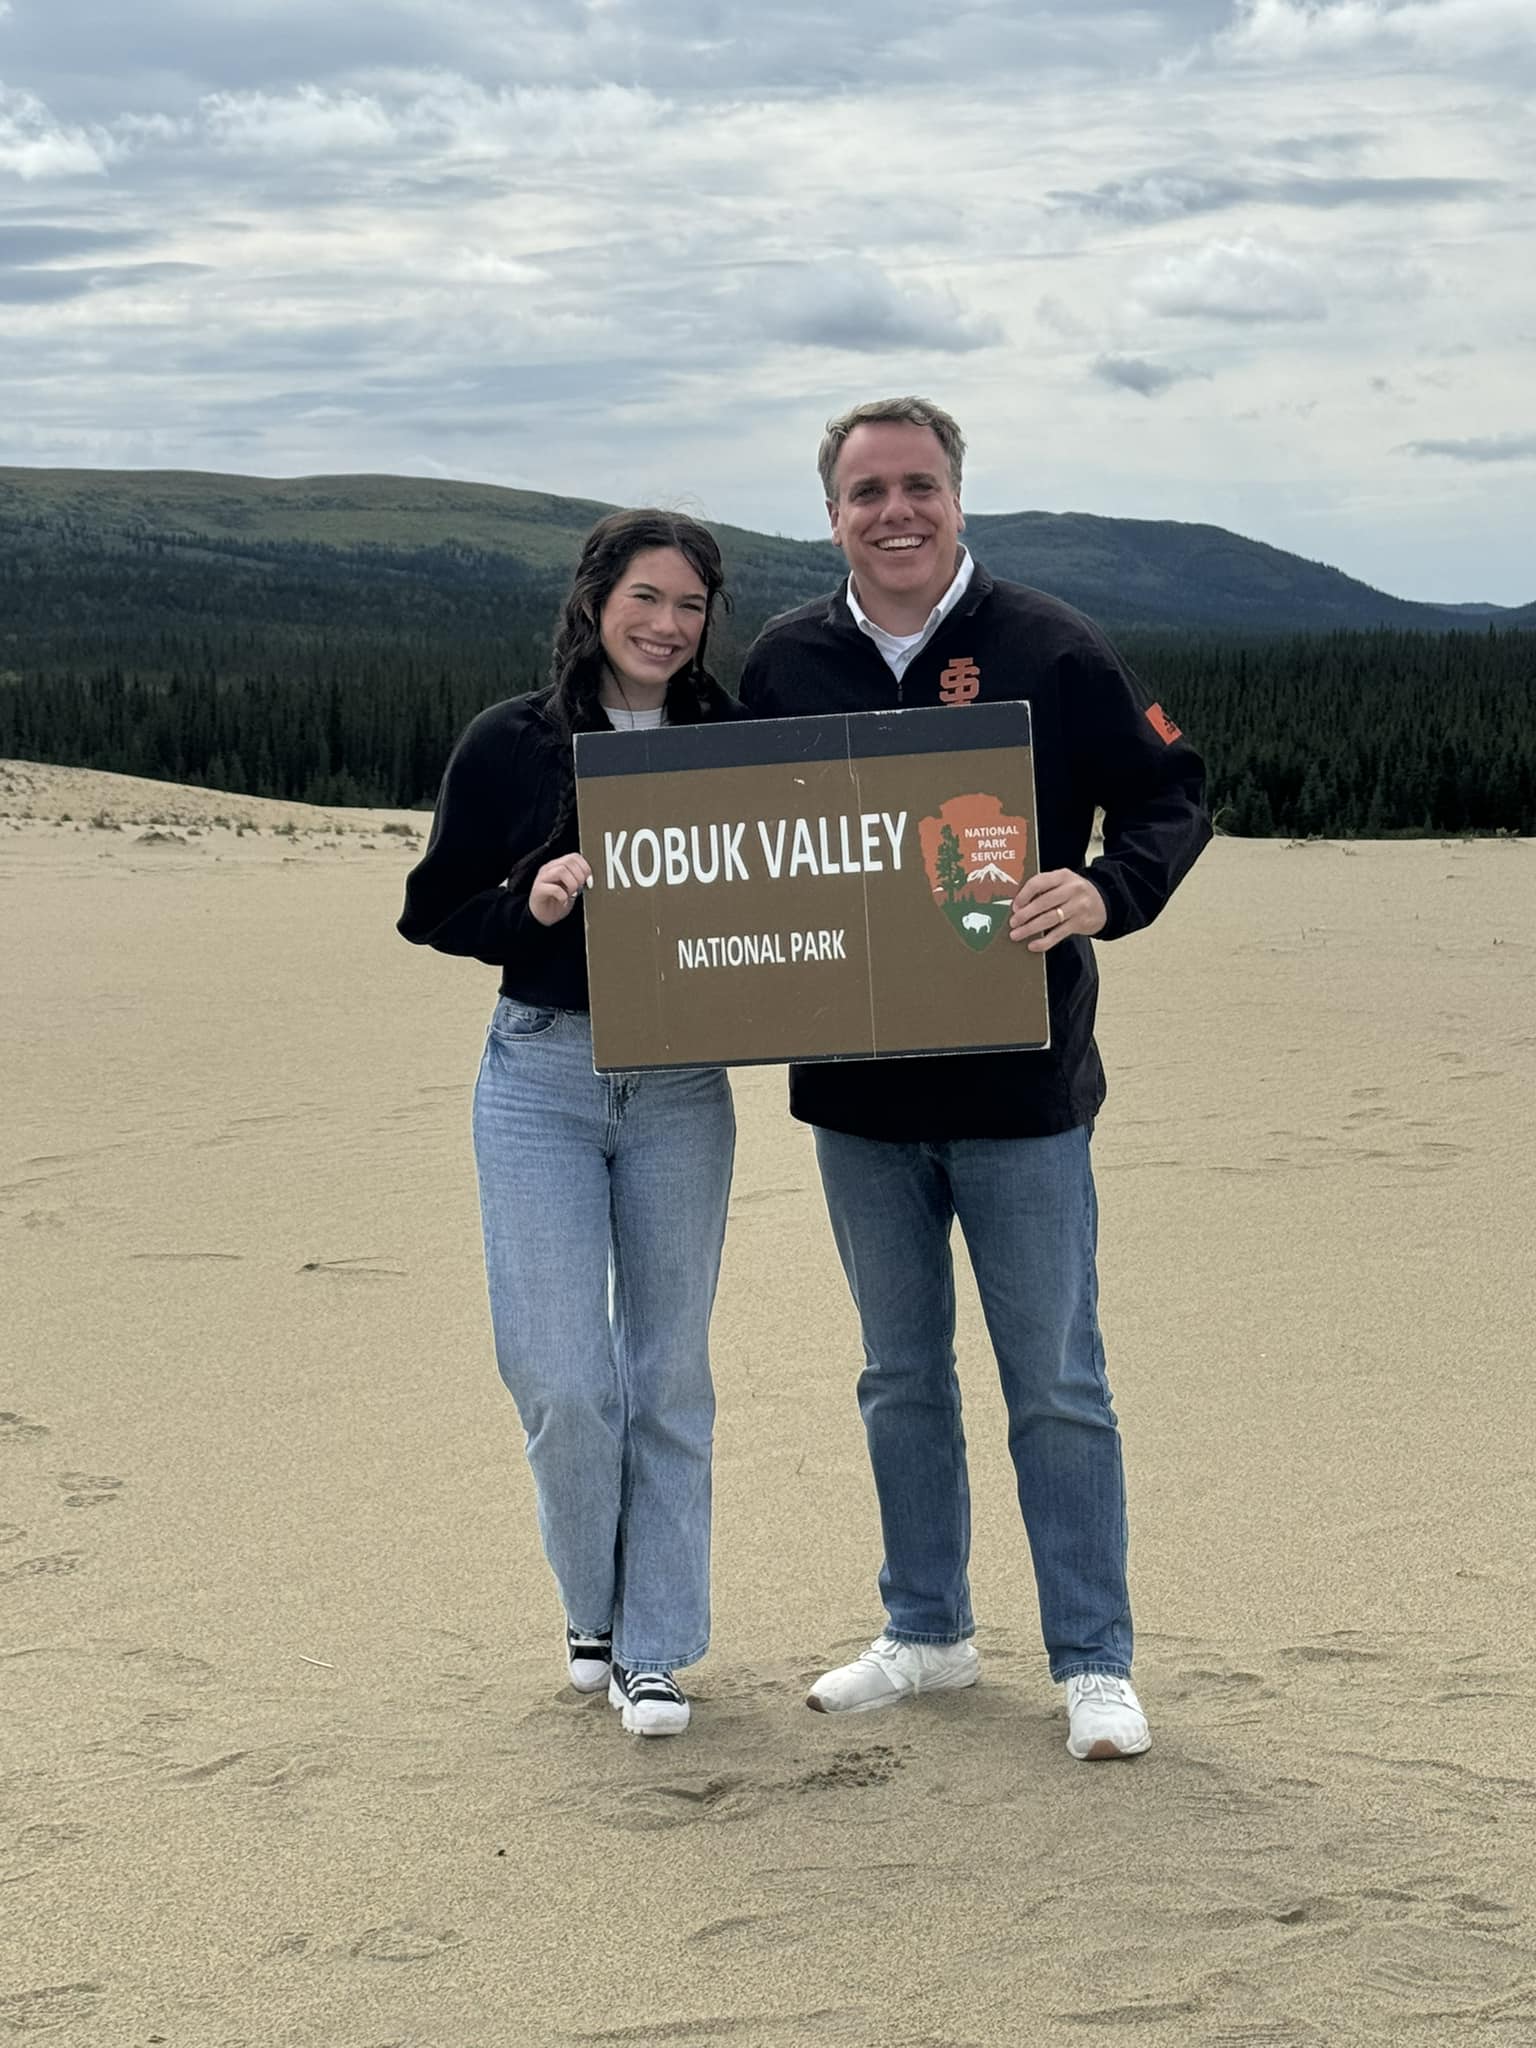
(441, 117)
(1059, 318)
(305, 123)
(490, 267)
(33, 145)
(1241, 281)
(1445, 31)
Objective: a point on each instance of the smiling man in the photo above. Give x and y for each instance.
(998, 1140)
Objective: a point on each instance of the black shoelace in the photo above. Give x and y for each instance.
(649, 1685)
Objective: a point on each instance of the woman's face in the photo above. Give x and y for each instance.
(652, 622)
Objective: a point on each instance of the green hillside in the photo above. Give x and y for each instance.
(328, 511)
(327, 638)
(406, 516)
(1125, 572)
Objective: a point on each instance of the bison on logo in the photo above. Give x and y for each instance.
(974, 856)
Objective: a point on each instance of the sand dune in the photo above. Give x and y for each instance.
(287, 1755)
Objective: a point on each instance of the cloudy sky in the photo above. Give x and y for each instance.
(1264, 263)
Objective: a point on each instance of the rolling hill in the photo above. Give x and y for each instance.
(360, 530)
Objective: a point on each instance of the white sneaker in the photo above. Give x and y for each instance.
(1105, 1718)
(889, 1672)
(650, 1701)
(588, 1659)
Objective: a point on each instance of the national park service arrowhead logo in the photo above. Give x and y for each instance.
(974, 856)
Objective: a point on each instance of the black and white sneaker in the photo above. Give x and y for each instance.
(588, 1659)
(650, 1701)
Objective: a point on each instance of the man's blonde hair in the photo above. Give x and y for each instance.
(907, 412)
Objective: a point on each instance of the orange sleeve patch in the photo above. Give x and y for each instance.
(1162, 724)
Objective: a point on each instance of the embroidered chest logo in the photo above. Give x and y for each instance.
(974, 855)
(960, 682)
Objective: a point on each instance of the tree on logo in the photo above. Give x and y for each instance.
(949, 864)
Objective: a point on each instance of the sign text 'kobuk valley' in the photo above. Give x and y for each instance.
(868, 843)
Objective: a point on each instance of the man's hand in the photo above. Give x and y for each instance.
(556, 887)
(1050, 907)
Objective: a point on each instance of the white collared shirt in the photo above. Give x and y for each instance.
(900, 649)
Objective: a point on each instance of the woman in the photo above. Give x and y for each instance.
(603, 1196)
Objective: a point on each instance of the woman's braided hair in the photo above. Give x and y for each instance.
(576, 659)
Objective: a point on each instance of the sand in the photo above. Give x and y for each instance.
(287, 1753)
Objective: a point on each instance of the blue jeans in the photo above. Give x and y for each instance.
(1030, 1219)
(603, 1198)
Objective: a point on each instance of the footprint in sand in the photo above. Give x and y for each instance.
(54, 2005)
(287, 1945)
(20, 1429)
(852, 1770)
(88, 1490)
(11, 1532)
(403, 1941)
(1220, 1688)
(57, 1566)
(721, 1798)
(168, 1667)
(648, 1809)
(266, 1770)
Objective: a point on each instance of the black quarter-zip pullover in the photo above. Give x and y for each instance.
(1099, 741)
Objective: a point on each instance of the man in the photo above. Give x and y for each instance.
(997, 1140)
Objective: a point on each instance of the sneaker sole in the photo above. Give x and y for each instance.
(629, 1727)
(890, 1699)
(600, 1678)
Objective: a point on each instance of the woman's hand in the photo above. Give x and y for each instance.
(1052, 906)
(556, 887)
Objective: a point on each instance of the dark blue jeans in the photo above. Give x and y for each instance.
(1028, 1212)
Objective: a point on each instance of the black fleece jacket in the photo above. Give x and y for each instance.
(499, 800)
(1098, 741)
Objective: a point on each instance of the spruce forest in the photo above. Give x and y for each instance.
(342, 675)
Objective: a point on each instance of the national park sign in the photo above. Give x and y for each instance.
(810, 888)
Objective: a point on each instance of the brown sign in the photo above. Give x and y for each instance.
(810, 888)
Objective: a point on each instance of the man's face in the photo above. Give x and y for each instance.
(897, 519)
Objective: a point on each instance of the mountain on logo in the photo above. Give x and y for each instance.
(975, 859)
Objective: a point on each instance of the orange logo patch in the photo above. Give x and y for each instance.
(1162, 724)
(960, 682)
(974, 857)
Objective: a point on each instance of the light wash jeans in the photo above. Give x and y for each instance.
(603, 1198)
(1030, 1219)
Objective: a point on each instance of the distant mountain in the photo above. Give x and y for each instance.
(1153, 572)
(1124, 572)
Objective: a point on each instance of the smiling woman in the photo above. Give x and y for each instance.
(652, 619)
(603, 1196)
